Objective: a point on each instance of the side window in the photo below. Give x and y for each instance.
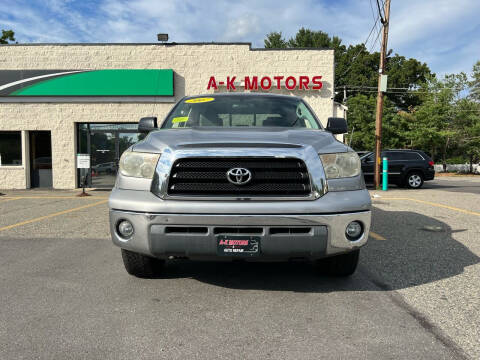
(10, 148)
(412, 156)
(394, 155)
(181, 118)
(306, 116)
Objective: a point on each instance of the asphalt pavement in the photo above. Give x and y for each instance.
(65, 295)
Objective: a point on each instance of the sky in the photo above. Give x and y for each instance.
(443, 33)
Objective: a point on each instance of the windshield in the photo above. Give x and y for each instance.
(241, 111)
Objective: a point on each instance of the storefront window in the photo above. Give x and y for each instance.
(105, 143)
(82, 139)
(10, 148)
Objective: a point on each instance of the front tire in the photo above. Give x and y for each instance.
(414, 180)
(340, 265)
(141, 266)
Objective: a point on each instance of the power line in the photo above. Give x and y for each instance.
(375, 41)
(371, 8)
(365, 43)
(380, 12)
(361, 50)
(397, 88)
(376, 21)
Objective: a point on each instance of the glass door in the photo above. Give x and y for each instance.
(105, 142)
(103, 159)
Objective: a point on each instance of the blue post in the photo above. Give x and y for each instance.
(385, 174)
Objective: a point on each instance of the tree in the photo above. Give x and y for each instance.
(475, 83)
(361, 111)
(357, 68)
(435, 127)
(274, 40)
(420, 111)
(7, 35)
(467, 123)
(361, 123)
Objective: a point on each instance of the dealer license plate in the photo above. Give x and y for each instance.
(237, 245)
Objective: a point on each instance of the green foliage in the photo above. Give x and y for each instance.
(274, 40)
(475, 83)
(361, 123)
(420, 111)
(7, 35)
(436, 119)
(446, 124)
(356, 66)
(467, 123)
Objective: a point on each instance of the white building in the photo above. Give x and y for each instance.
(58, 100)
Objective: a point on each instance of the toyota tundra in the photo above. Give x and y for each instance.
(252, 177)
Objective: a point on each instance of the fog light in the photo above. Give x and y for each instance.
(125, 228)
(354, 230)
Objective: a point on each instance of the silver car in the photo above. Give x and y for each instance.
(251, 177)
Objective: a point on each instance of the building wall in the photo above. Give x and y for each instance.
(193, 65)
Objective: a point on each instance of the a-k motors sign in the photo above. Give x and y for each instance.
(266, 83)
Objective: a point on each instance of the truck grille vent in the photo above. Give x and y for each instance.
(269, 177)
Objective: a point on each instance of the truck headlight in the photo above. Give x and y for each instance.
(341, 165)
(137, 164)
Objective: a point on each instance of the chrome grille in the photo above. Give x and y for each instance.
(270, 177)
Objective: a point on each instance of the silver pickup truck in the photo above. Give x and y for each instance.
(251, 177)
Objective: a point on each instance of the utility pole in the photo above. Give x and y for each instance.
(381, 70)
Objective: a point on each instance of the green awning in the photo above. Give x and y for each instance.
(127, 82)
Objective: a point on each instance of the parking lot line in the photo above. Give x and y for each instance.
(376, 236)
(51, 215)
(5, 199)
(50, 197)
(432, 204)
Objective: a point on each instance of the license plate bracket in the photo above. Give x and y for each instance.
(238, 245)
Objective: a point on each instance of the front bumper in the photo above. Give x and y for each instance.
(325, 235)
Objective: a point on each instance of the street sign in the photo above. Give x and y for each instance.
(83, 161)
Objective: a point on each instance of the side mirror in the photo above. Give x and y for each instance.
(337, 125)
(147, 124)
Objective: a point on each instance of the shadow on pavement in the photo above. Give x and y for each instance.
(454, 186)
(411, 256)
(451, 185)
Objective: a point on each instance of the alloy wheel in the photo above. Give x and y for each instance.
(414, 180)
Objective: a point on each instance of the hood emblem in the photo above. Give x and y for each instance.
(239, 176)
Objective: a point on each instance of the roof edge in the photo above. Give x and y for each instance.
(166, 44)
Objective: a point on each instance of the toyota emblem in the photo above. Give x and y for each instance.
(239, 176)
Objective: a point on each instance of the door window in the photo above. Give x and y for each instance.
(103, 159)
(370, 158)
(394, 155)
(412, 156)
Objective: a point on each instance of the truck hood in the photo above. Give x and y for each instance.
(220, 137)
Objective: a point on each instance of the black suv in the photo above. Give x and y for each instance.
(405, 167)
